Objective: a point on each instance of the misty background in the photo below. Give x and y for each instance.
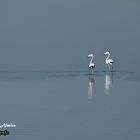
(59, 34)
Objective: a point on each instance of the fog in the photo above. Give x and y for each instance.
(58, 35)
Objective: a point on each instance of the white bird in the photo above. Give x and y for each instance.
(109, 61)
(91, 64)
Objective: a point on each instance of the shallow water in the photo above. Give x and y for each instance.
(64, 102)
(71, 105)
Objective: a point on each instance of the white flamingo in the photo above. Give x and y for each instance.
(91, 64)
(109, 61)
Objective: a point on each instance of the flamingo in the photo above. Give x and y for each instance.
(91, 64)
(109, 61)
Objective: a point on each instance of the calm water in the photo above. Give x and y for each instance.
(71, 105)
(45, 88)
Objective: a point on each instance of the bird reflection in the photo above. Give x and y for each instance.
(108, 82)
(91, 83)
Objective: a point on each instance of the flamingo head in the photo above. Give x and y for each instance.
(90, 55)
(106, 53)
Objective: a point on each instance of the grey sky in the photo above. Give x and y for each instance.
(58, 34)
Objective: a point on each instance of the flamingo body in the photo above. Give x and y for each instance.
(91, 65)
(109, 61)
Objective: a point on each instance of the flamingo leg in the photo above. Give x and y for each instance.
(90, 71)
(112, 67)
(109, 67)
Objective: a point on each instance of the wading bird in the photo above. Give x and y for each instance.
(91, 64)
(109, 61)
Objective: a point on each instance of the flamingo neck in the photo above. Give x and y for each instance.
(107, 57)
(91, 61)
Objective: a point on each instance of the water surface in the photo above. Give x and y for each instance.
(71, 105)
